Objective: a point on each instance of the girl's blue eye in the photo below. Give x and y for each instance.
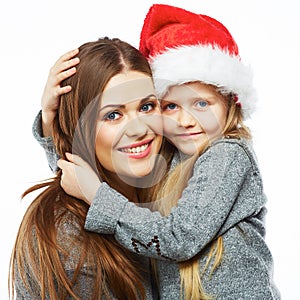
(171, 106)
(112, 116)
(202, 104)
(147, 107)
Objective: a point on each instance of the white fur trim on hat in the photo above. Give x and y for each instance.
(207, 64)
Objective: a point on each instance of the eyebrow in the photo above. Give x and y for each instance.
(191, 98)
(148, 97)
(112, 106)
(123, 105)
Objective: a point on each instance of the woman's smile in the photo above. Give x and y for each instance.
(138, 150)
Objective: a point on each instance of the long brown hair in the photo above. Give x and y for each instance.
(166, 195)
(51, 239)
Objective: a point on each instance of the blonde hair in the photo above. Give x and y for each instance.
(171, 190)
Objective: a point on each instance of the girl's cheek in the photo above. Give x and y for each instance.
(156, 124)
(168, 124)
(210, 124)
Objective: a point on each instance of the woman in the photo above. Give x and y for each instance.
(53, 257)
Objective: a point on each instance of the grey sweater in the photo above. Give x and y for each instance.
(224, 197)
(68, 239)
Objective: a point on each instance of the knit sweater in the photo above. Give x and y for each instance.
(68, 240)
(224, 197)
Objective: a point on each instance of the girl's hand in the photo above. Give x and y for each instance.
(78, 179)
(62, 69)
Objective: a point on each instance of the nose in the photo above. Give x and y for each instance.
(136, 127)
(185, 119)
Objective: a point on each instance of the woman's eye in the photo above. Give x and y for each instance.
(202, 104)
(147, 107)
(112, 116)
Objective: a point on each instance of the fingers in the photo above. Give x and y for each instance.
(62, 75)
(72, 160)
(76, 159)
(61, 70)
(70, 156)
(63, 164)
(62, 90)
(64, 67)
(67, 61)
(64, 70)
(68, 55)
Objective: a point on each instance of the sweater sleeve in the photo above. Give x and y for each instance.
(212, 202)
(46, 143)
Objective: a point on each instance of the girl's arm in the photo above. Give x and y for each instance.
(45, 142)
(63, 68)
(225, 189)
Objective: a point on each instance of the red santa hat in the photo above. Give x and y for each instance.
(183, 46)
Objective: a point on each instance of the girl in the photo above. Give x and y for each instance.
(54, 257)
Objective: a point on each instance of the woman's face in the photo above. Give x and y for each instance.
(129, 125)
(192, 114)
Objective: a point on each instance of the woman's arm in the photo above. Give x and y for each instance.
(225, 189)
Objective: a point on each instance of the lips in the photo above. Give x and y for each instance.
(137, 150)
(189, 134)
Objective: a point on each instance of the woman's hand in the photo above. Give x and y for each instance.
(78, 179)
(62, 69)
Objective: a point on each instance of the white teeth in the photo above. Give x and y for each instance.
(135, 149)
(144, 147)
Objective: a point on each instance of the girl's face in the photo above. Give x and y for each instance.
(192, 113)
(129, 126)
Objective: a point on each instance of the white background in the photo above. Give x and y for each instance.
(35, 33)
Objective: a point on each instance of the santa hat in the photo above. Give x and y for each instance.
(183, 46)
